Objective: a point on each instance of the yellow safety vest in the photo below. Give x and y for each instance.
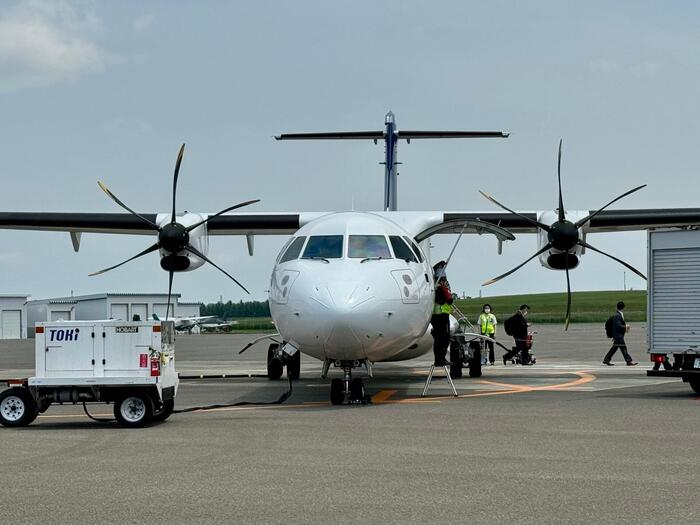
(441, 309)
(488, 323)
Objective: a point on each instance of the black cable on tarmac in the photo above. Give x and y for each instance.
(99, 420)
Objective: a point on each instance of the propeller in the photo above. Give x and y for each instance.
(173, 237)
(563, 236)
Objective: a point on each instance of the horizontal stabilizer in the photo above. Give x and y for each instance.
(451, 134)
(339, 135)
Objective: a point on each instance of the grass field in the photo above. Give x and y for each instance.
(551, 307)
(586, 307)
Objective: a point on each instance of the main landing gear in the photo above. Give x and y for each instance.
(277, 359)
(348, 389)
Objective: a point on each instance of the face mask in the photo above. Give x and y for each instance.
(487, 310)
(525, 313)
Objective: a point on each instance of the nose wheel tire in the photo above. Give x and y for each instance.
(337, 391)
(133, 410)
(17, 408)
(357, 390)
(275, 367)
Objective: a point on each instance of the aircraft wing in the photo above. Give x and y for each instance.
(605, 221)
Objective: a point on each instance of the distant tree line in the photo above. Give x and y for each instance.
(240, 309)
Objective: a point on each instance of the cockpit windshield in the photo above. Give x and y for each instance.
(324, 247)
(294, 250)
(363, 246)
(401, 249)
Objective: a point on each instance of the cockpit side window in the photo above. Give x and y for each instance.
(401, 249)
(324, 246)
(415, 247)
(363, 246)
(294, 250)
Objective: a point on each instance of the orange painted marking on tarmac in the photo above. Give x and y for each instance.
(382, 396)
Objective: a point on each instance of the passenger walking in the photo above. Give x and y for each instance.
(619, 329)
(487, 324)
(440, 320)
(517, 326)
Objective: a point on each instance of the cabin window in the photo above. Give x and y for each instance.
(416, 248)
(324, 246)
(363, 246)
(294, 250)
(401, 249)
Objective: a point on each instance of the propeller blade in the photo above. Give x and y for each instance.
(536, 223)
(561, 200)
(146, 251)
(170, 292)
(568, 294)
(177, 172)
(586, 219)
(199, 254)
(623, 263)
(540, 251)
(246, 203)
(115, 199)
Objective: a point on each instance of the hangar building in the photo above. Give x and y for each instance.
(13, 316)
(107, 306)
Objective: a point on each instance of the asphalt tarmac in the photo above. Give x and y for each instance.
(564, 441)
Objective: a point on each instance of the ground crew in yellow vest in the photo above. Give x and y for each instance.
(487, 324)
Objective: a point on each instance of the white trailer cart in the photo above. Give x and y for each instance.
(673, 306)
(129, 364)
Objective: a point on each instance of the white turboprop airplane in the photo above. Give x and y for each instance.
(354, 288)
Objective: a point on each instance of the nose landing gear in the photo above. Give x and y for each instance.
(348, 390)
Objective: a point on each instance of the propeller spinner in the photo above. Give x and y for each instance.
(173, 237)
(563, 236)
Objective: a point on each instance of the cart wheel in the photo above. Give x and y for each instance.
(164, 411)
(455, 361)
(695, 385)
(475, 364)
(17, 408)
(133, 410)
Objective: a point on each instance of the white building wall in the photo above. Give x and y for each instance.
(91, 309)
(11, 304)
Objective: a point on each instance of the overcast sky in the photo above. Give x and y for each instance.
(109, 90)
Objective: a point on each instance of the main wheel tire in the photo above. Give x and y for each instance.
(475, 364)
(695, 385)
(337, 393)
(294, 366)
(133, 410)
(275, 367)
(357, 390)
(17, 408)
(455, 361)
(164, 411)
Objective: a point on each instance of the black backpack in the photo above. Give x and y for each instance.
(508, 325)
(609, 327)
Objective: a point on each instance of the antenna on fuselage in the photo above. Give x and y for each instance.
(391, 136)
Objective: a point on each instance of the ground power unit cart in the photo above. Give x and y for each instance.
(129, 364)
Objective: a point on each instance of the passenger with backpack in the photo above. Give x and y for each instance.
(616, 328)
(516, 326)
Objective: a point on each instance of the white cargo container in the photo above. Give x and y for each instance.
(673, 305)
(130, 364)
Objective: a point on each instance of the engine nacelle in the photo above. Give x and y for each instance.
(184, 261)
(554, 259)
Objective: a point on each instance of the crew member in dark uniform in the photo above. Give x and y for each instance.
(440, 320)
